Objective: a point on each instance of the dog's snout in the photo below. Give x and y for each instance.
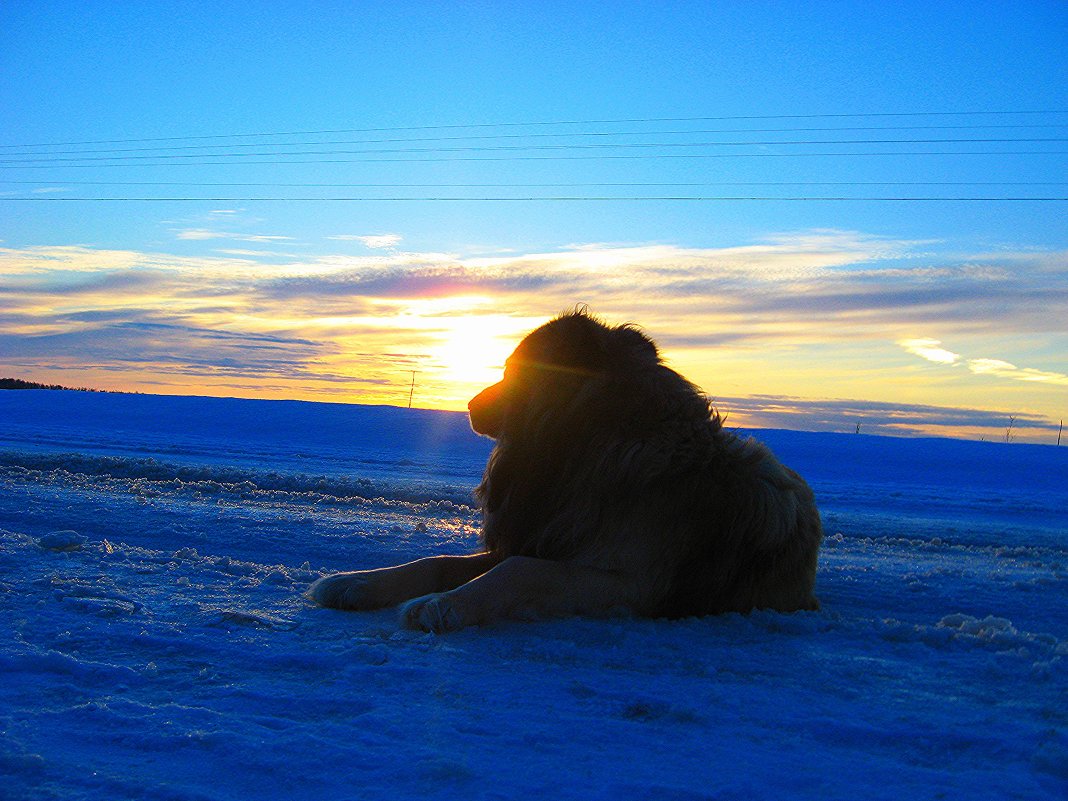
(485, 411)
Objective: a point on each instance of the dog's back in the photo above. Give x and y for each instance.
(752, 539)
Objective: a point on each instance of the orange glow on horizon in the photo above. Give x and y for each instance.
(798, 318)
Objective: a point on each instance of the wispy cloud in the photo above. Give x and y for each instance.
(126, 281)
(1003, 369)
(872, 417)
(139, 341)
(247, 252)
(373, 241)
(200, 234)
(816, 287)
(930, 350)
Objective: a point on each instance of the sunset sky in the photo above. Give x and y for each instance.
(826, 214)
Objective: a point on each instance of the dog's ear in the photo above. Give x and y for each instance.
(631, 344)
(574, 340)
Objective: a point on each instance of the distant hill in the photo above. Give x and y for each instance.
(17, 383)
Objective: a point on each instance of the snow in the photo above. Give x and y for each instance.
(156, 644)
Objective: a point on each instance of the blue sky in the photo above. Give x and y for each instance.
(922, 305)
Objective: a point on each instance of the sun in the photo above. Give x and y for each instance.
(463, 343)
(471, 352)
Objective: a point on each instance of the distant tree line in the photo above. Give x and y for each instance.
(17, 383)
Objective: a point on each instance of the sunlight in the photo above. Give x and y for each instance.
(471, 352)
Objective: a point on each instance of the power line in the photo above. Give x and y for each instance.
(602, 156)
(505, 199)
(633, 120)
(468, 185)
(567, 147)
(570, 135)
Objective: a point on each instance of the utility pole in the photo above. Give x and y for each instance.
(411, 392)
(1059, 430)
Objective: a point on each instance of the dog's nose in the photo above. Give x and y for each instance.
(489, 396)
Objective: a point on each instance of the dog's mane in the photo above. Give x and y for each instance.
(603, 419)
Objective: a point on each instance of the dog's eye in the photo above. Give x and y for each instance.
(515, 369)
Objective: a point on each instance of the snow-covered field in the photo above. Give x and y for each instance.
(155, 642)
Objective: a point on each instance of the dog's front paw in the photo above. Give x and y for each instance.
(344, 591)
(436, 613)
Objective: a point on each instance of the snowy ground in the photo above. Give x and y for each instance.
(155, 643)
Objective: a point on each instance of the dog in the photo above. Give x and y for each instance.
(612, 488)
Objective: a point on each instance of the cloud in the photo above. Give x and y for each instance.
(1003, 369)
(405, 281)
(929, 349)
(873, 417)
(201, 234)
(116, 281)
(795, 312)
(997, 368)
(373, 241)
(615, 275)
(174, 349)
(246, 252)
(141, 339)
(822, 286)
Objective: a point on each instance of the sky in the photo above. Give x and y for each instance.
(830, 216)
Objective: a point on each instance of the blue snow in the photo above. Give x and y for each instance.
(156, 643)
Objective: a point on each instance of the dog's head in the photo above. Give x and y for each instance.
(555, 368)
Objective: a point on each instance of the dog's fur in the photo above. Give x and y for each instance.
(612, 487)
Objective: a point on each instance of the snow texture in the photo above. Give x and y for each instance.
(156, 644)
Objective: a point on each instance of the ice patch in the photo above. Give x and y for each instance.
(231, 618)
(102, 607)
(66, 540)
(989, 628)
(1052, 756)
(150, 477)
(55, 662)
